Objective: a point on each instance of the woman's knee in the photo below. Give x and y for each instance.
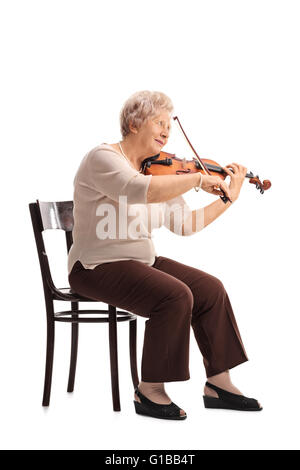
(214, 287)
(216, 284)
(184, 299)
(209, 292)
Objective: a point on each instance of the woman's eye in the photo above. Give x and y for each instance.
(161, 123)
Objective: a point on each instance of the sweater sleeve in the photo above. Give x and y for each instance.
(176, 212)
(112, 175)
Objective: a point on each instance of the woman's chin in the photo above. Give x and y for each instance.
(154, 150)
(157, 149)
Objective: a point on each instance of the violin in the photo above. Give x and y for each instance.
(166, 163)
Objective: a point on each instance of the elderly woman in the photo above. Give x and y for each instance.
(113, 259)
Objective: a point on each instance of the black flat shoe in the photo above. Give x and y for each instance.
(155, 410)
(230, 401)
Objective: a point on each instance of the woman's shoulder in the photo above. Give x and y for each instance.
(113, 147)
(104, 148)
(103, 152)
(105, 158)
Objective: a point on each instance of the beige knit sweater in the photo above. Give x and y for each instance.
(112, 220)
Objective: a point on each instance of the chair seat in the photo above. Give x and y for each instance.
(68, 294)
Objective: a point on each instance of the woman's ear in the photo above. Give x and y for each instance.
(132, 128)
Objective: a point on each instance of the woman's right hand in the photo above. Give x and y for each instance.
(214, 184)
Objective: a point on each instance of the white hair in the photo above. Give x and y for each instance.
(141, 106)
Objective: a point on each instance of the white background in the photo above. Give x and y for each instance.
(232, 70)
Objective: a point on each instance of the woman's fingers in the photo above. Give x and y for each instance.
(216, 185)
(228, 170)
(221, 185)
(226, 190)
(235, 168)
(241, 168)
(216, 193)
(216, 182)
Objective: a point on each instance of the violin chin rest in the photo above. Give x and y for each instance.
(151, 159)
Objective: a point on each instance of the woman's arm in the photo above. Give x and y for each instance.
(204, 216)
(165, 187)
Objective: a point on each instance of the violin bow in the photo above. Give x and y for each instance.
(202, 164)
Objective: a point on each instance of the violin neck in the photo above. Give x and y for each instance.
(218, 169)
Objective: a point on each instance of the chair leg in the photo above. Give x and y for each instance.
(113, 349)
(132, 351)
(74, 349)
(49, 361)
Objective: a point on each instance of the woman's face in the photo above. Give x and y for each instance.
(155, 132)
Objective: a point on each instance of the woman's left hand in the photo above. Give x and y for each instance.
(237, 175)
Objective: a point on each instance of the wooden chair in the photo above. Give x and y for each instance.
(59, 215)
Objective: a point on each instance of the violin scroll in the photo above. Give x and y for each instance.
(261, 186)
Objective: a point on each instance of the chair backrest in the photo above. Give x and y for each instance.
(47, 216)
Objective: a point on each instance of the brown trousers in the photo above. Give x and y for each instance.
(173, 296)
